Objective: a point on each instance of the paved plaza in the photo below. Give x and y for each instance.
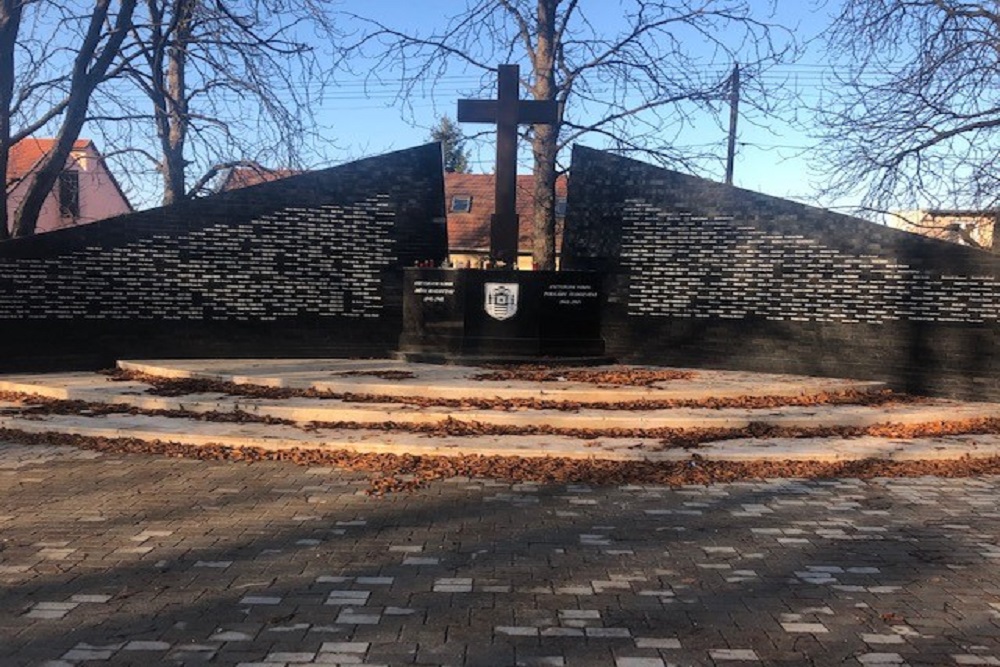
(145, 560)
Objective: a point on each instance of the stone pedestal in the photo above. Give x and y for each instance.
(475, 315)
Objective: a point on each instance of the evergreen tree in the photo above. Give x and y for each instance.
(456, 157)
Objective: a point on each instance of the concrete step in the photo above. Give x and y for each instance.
(276, 437)
(457, 382)
(95, 388)
(382, 427)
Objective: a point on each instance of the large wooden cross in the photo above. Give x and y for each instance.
(507, 111)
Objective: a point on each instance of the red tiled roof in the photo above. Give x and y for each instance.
(244, 177)
(471, 231)
(28, 152)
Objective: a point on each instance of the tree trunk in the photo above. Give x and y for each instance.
(544, 142)
(175, 110)
(10, 20)
(89, 69)
(47, 174)
(544, 148)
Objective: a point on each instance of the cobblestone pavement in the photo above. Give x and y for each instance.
(136, 560)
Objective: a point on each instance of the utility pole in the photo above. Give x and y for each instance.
(734, 115)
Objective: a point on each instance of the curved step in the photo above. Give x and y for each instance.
(381, 427)
(92, 388)
(276, 437)
(458, 382)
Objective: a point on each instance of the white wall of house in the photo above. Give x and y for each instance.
(99, 196)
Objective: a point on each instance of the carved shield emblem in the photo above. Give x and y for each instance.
(501, 300)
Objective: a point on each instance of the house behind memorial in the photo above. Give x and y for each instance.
(85, 192)
(471, 199)
(975, 228)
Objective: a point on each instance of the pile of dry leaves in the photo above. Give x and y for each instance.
(382, 375)
(390, 473)
(669, 437)
(160, 386)
(618, 376)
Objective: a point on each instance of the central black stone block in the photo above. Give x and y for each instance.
(482, 315)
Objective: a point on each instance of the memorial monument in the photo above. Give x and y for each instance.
(498, 313)
(507, 112)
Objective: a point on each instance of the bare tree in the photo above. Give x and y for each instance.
(222, 83)
(914, 121)
(10, 22)
(639, 85)
(90, 67)
(34, 96)
(228, 82)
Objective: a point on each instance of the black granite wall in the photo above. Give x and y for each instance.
(704, 274)
(308, 265)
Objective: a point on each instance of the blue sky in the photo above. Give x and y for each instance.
(361, 116)
(774, 153)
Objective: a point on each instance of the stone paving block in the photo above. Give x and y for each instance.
(231, 636)
(260, 599)
(291, 657)
(78, 654)
(338, 659)
(639, 662)
(541, 661)
(881, 659)
(657, 643)
(813, 628)
(728, 655)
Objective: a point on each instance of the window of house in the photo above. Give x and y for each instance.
(69, 194)
(461, 203)
(560, 207)
(80, 160)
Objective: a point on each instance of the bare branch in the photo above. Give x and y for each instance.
(624, 84)
(911, 121)
(201, 184)
(523, 28)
